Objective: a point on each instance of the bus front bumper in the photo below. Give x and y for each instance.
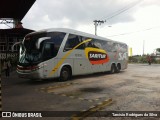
(29, 75)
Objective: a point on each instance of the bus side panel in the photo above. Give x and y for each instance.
(123, 59)
(124, 62)
(81, 66)
(48, 67)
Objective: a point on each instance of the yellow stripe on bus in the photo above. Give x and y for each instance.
(65, 56)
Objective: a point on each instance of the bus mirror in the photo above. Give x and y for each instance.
(40, 40)
(17, 43)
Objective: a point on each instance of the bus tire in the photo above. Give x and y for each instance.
(118, 68)
(65, 74)
(113, 69)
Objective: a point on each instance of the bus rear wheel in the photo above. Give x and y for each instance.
(65, 74)
(113, 69)
(118, 68)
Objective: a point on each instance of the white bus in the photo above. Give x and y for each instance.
(62, 53)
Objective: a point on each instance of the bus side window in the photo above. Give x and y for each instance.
(94, 44)
(72, 41)
(82, 46)
(115, 47)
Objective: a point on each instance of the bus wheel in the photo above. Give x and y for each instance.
(112, 69)
(118, 68)
(65, 74)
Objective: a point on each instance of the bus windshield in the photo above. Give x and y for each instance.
(30, 54)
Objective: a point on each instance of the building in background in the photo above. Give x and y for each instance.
(7, 38)
(11, 14)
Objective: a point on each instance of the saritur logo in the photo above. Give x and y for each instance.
(96, 56)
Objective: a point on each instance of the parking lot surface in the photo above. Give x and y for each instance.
(135, 89)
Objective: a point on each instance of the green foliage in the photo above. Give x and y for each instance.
(142, 59)
(158, 49)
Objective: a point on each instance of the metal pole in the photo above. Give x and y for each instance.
(143, 46)
(96, 23)
(95, 28)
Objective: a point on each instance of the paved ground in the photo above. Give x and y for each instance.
(135, 89)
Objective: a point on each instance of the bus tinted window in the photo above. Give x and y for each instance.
(94, 43)
(57, 38)
(48, 51)
(108, 46)
(72, 41)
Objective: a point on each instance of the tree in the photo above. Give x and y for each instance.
(158, 51)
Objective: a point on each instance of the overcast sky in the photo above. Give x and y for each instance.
(140, 21)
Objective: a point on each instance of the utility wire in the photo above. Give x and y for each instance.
(129, 6)
(134, 31)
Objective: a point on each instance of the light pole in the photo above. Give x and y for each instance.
(98, 22)
(143, 46)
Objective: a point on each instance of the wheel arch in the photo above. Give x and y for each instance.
(113, 63)
(65, 65)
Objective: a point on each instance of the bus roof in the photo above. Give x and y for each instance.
(76, 32)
